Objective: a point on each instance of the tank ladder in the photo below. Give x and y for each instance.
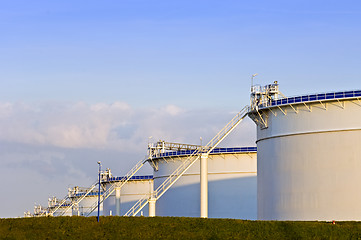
(113, 186)
(141, 203)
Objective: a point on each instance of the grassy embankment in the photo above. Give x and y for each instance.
(171, 228)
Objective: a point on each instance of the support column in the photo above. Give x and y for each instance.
(117, 201)
(152, 202)
(77, 210)
(204, 185)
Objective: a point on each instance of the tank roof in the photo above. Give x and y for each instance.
(329, 96)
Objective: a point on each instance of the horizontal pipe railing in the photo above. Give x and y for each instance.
(313, 97)
(216, 150)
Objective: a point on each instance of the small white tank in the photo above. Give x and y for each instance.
(85, 205)
(120, 201)
(40, 211)
(232, 184)
(53, 204)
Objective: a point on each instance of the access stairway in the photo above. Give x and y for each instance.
(188, 163)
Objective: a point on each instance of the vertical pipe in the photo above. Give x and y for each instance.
(75, 210)
(117, 201)
(100, 169)
(204, 185)
(152, 202)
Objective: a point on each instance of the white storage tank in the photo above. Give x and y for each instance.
(86, 204)
(121, 200)
(53, 203)
(40, 211)
(232, 182)
(309, 156)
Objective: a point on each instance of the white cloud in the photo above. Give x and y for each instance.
(76, 125)
(104, 126)
(57, 145)
(172, 110)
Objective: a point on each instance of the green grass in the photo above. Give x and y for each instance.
(171, 228)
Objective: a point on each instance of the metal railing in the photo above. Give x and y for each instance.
(313, 97)
(216, 150)
(146, 177)
(226, 129)
(89, 194)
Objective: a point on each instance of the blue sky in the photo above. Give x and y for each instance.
(87, 80)
(149, 52)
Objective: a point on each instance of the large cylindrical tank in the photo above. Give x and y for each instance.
(309, 157)
(232, 181)
(121, 200)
